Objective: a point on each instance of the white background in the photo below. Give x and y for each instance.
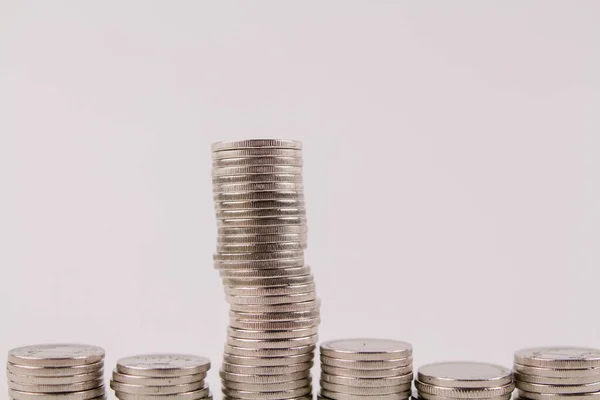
(451, 168)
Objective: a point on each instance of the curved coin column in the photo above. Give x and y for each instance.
(558, 373)
(161, 377)
(262, 233)
(353, 369)
(464, 380)
(56, 371)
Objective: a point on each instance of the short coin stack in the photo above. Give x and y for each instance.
(464, 380)
(274, 311)
(161, 376)
(558, 373)
(366, 369)
(56, 371)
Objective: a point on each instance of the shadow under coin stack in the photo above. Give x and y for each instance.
(161, 376)
(464, 380)
(558, 373)
(274, 311)
(56, 372)
(366, 369)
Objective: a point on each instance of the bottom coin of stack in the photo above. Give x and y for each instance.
(464, 380)
(558, 373)
(353, 369)
(161, 377)
(56, 371)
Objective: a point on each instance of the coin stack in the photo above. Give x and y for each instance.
(161, 376)
(366, 369)
(274, 311)
(464, 380)
(56, 371)
(558, 373)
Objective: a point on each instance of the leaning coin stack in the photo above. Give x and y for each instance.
(161, 376)
(464, 380)
(56, 371)
(274, 310)
(558, 373)
(366, 369)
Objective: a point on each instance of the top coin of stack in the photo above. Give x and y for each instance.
(366, 368)
(464, 380)
(56, 371)
(262, 234)
(558, 373)
(161, 376)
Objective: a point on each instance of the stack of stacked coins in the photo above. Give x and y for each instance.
(161, 376)
(464, 380)
(274, 311)
(558, 373)
(366, 369)
(56, 371)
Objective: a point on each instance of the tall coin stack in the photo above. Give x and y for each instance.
(161, 376)
(558, 373)
(353, 369)
(274, 310)
(464, 380)
(56, 371)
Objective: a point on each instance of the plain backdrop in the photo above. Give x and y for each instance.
(452, 158)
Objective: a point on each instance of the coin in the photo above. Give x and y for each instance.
(254, 161)
(267, 387)
(256, 239)
(54, 371)
(427, 396)
(257, 169)
(157, 381)
(367, 382)
(465, 393)
(272, 343)
(259, 256)
(56, 355)
(268, 361)
(268, 352)
(274, 316)
(328, 394)
(280, 290)
(283, 299)
(287, 394)
(365, 391)
(85, 395)
(257, 152)
(366, 373)
(278, 308)
(368, 365)
(251, 274)
(157, 390)
(308, 397)
(54, 380)
(264, 230)
(545, 380)
(268, 282)
(264, 379)
(261, 247)
(256, 143)
(464, 375)
(366, 349)
(262, 195)
(260, 264)
(557, 373)
(56, 388)
(272, 221)
(195, 395)
(545, 396)
(247, 178)
(558, 389)
(559, 357)
(275, 325)
(271, 335)
(259, 204)
(159, 365)
(267, 371)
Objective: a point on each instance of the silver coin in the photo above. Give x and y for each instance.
(273, 343)
(248, 178)
(269, 282)
(261, 213)
(268, 352)
(56, 355)
(271, 335)
(366, 349)
(274, 316)
(267, 387)
(257, 187)
(366, 365)
(268, 361)
(54, 371)
(256, 143)
(545, 380)
(273, 221)
(257, 152)
(252, 274)
(253, 161)
(56, 388)
(195, 395)
(545, 396)
(260, 264)
(365, 391)
(257, 169)
(307, 397)
(265, 379)
(157, 381)
(283, 395)
(465, 393)
(258, 256)
(267, 371)
(328, 394)
(157, 390)
(427, 396)
(277, 308)
(159, 365)
(367, 382)
(259, 205)
(275, 325)
(559, 357)
(280, 290)
(264, 230)
(283, 299)
(102, 397)
(261, 247)
(366, 373)
(557, 373)
(54, 380)
(85, 395)
(259, 239)
(558, 389)
(263, 195)
(464, 374)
